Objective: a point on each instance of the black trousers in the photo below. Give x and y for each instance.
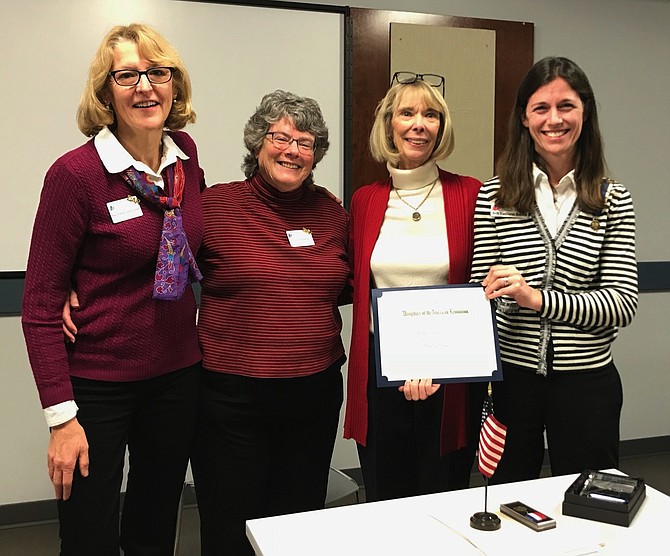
(155, 420)
(579, 411)
(263, 448)
(402, 452)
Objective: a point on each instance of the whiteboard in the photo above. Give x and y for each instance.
(232, 55)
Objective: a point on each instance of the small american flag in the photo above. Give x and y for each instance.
(491, 440)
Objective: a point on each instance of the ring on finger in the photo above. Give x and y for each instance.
(505, 281)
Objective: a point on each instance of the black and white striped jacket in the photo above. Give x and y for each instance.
(587, 275)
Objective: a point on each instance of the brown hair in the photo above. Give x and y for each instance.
(515, 165)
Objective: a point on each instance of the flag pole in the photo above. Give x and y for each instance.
(485, 521)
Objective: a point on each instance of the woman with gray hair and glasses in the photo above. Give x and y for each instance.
(274, 257)
(411, 229)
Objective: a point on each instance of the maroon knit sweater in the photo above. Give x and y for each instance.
(123, 334)
(268, 309)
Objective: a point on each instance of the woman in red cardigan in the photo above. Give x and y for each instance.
(412, 229)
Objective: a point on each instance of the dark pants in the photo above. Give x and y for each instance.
(580, 412)
(402, 452)
(263, 448)
(155, 419)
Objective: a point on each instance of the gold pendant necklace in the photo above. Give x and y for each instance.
(416, 215)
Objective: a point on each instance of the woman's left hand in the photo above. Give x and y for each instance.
(418, 389)
(507, 280)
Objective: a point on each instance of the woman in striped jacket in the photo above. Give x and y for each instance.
(555, 248)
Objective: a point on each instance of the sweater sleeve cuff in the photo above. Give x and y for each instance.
(60, 413)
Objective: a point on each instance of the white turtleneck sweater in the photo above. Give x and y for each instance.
(409, 253)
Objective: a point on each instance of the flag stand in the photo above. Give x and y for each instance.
(485, 521)
(491, 444)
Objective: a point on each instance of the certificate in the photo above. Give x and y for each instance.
(447, 333)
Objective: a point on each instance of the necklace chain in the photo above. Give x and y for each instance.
(416, 215)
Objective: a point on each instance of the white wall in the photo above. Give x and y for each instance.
(624, 47)
(24, 435)
(641, 354)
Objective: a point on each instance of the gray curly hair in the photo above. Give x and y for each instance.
(306, 116)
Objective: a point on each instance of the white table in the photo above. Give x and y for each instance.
(440, 524)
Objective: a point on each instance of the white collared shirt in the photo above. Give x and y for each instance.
(555, 203)
(115, 159)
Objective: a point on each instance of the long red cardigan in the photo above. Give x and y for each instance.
(368, 206)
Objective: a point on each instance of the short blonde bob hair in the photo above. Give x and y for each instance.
(383, 148)
(93, 113)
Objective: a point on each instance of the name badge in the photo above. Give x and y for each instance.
(300, 238)
(124, 209)
(498, 212)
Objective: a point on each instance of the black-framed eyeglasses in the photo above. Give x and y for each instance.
(282, 141)
(130, 78)
(407, 77)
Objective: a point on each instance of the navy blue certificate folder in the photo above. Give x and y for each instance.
(448, 333)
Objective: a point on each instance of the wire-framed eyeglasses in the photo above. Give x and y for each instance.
(407, 77)
(130, 77)
(282, 142)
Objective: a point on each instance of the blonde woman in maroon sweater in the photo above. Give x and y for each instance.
(119, 220)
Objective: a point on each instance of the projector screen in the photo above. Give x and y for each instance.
(231, 52)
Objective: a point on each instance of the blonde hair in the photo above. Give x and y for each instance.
(93, 113)
(382, 147)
